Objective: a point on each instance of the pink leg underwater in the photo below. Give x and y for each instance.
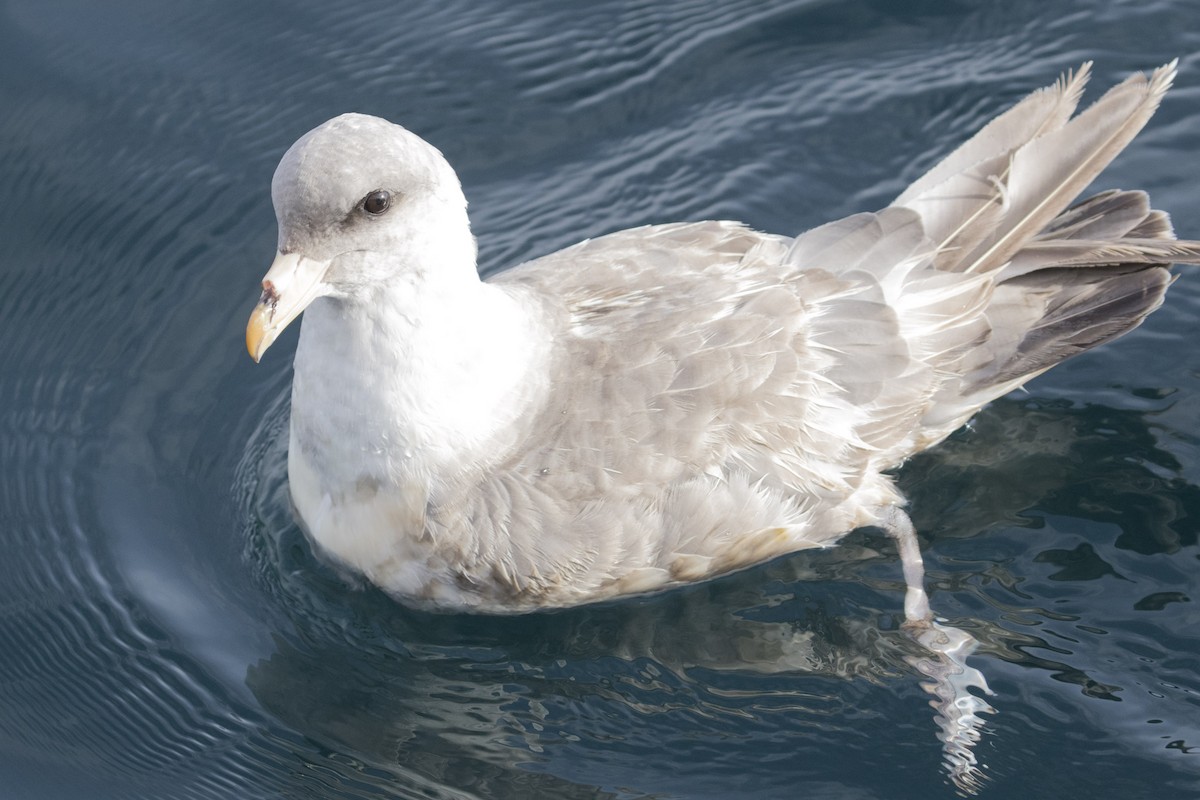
(944, 664)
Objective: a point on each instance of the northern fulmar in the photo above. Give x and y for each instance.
(672, 402)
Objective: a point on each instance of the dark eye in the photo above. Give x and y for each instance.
(377, 202)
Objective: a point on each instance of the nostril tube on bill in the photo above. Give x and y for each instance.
(269, 295)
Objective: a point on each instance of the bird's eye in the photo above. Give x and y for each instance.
(377, 202)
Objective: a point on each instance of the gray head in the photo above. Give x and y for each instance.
(322, 184)
(361, 202)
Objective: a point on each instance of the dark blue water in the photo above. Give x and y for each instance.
(165, 630)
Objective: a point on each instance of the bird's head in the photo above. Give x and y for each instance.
(361, 202)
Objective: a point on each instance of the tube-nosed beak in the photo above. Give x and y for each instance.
(292, 282)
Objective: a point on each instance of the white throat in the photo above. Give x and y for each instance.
(419, 386)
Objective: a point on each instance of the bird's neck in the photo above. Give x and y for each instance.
(419, 383)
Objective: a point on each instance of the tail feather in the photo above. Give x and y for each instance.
(1091, 253)
(1107, 215)
(1062, 279)
(1047, 174)
(1156, 225)
(983, 203)
(1040, 112)
(1078, 311)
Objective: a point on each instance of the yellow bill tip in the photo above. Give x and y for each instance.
(257, 340)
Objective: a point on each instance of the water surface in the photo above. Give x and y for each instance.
(166, 631)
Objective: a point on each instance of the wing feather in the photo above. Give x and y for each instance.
(1049, 172)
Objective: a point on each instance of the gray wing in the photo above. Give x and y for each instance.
(711, 404)
(702, 348)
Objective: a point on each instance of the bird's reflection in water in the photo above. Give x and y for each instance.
(473, 701)
(479, 696)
